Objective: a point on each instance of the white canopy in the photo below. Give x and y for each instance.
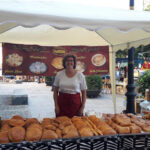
(117, 27)
(54, 23)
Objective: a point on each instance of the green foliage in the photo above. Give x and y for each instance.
(147, 8)
(144, 82)
(140, 49)
(48, 79)
(122, 53)
(94, 82)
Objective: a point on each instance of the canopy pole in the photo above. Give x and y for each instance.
(112, 65)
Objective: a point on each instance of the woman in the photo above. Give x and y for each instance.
(70, 89)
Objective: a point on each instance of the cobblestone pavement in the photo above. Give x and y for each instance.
(41, 104)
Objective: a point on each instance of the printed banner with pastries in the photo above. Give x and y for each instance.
(38, 60)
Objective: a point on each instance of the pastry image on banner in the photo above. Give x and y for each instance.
(98, 60)
(81, 66)
(38, 67)
(14, 60)
(57, 62)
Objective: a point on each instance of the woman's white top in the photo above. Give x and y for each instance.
(71, 85)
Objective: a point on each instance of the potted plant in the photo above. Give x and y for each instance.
(48, 80)
(144, 82)
(94, 85)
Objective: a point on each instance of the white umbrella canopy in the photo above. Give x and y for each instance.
(52, 23)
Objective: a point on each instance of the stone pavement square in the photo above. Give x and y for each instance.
(41, 104)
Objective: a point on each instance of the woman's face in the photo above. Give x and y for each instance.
(69, 63)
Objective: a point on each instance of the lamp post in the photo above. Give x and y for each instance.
(131, 4)
(130, 108)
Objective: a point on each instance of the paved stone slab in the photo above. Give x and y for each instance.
(7, 111)
(20, 97)
(5, 99)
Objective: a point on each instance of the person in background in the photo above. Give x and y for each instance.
(118, 74)
(69, 89)
(126, 72)
(122, 74)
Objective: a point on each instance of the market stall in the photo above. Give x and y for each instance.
(60, 23)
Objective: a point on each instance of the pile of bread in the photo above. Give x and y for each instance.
(146, 114)
(18, 129)
(127, 123)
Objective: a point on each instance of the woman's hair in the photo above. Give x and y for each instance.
(66, 58)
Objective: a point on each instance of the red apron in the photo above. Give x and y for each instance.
(69, 104)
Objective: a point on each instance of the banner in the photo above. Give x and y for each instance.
(37, 60)
(146, 65)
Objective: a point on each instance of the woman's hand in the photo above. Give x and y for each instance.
(57, 110)
(80, 113)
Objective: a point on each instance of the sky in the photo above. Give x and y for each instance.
(121, 4)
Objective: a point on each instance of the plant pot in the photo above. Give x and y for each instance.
(93, 93)
(48, 83)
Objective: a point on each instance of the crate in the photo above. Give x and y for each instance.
(109, 142)
(134, 141)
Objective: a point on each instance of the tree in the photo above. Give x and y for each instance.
(140, 49)
(122, 53)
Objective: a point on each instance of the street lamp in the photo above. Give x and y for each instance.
(131, 4)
